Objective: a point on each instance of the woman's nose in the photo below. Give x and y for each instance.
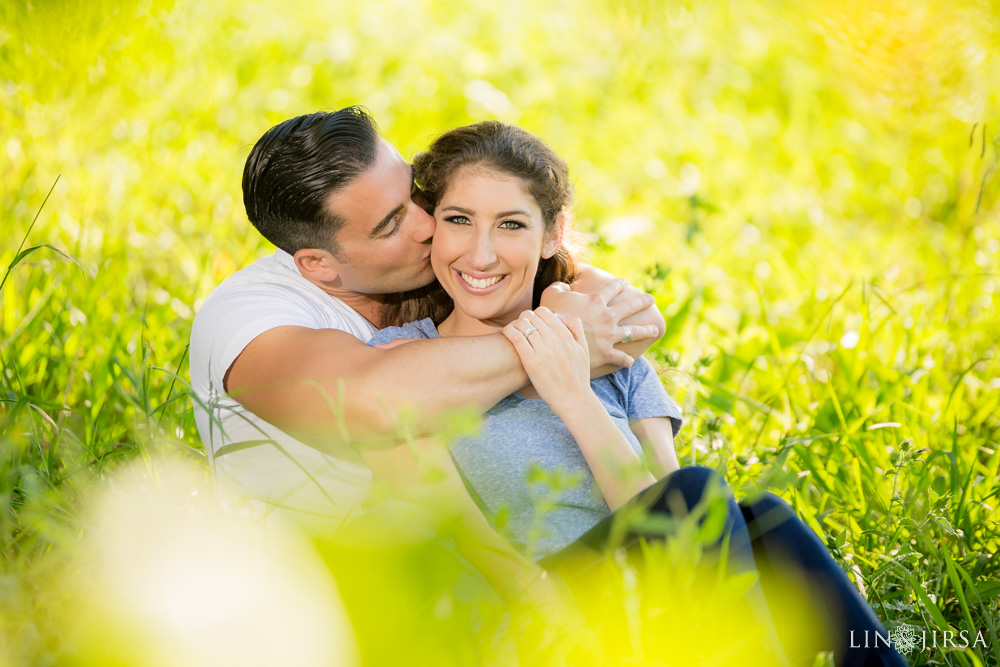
(482, 255)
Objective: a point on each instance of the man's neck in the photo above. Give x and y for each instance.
(368, 306)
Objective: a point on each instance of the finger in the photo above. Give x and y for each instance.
(608, 292)
(394, 343)
(630, 292)
(555, 322)
(522, 324)
(520, 343)
(575, 327)
(639, 332)
(618, 358)
(557, 287)
(547, 316)
(630, 307)
(543, 330)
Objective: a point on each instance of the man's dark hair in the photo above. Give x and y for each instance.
(295, 167)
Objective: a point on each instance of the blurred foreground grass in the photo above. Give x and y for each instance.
(809, 189)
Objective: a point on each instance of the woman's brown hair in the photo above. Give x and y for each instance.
(504, 148)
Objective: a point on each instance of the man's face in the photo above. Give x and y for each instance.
(385, 242)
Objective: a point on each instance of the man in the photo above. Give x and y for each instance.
(283, 379)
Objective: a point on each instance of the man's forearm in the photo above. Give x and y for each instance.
(328, 384)
(437, 376)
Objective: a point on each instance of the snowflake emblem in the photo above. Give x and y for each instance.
(906, 638)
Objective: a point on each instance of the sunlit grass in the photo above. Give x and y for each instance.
(808, 189)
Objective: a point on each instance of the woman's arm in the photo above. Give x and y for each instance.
(618, 470)
(657, 437)
(555, 357)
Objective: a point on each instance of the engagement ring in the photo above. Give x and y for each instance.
(628, 333)
(530, 331)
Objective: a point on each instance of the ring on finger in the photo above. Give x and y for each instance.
(530, 330)
(628, 333)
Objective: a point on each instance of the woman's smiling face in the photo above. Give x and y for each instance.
(489, 238)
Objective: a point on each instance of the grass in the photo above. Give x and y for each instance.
(808, 189)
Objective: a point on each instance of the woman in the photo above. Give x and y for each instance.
(561, 454)
(555, 460)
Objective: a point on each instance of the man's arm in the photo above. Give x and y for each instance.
(327, 382)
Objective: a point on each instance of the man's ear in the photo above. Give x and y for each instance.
(318, 265)
(554, 238)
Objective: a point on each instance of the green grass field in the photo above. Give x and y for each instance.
(810, 190)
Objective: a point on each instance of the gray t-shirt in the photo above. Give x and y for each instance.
(525, 470)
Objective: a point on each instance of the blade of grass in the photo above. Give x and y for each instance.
(18, 256)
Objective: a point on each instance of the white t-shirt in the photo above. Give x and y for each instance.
(250, 457)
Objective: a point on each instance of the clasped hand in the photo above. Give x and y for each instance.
(601, 312)
(555, 355)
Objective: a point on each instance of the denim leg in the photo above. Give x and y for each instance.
(677, 495)
(787, 552)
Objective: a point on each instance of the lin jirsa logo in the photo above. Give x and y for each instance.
(907, 638)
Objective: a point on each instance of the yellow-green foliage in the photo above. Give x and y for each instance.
(808, 188)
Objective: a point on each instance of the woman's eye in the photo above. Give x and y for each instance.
(458, 220)
(512, 224)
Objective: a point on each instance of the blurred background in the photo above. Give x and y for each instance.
(809, 189)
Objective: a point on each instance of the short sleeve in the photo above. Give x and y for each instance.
(386, 335)
(420, 329)
(647, 398)
(231, 318)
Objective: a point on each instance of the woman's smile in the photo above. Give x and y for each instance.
(480, 284)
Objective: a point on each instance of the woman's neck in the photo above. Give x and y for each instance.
(460, 324)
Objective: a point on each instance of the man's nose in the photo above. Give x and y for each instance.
(424, 228)
(482, 254)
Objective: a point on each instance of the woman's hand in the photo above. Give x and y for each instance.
(555, 356)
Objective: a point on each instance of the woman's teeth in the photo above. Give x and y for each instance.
(480, 283)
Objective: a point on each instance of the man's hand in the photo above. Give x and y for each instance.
(601, 312)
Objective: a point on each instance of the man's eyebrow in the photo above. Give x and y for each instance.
(380, 227)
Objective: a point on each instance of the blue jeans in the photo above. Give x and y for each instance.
(766, 536)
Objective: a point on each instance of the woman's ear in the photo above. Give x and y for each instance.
(554, 238)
